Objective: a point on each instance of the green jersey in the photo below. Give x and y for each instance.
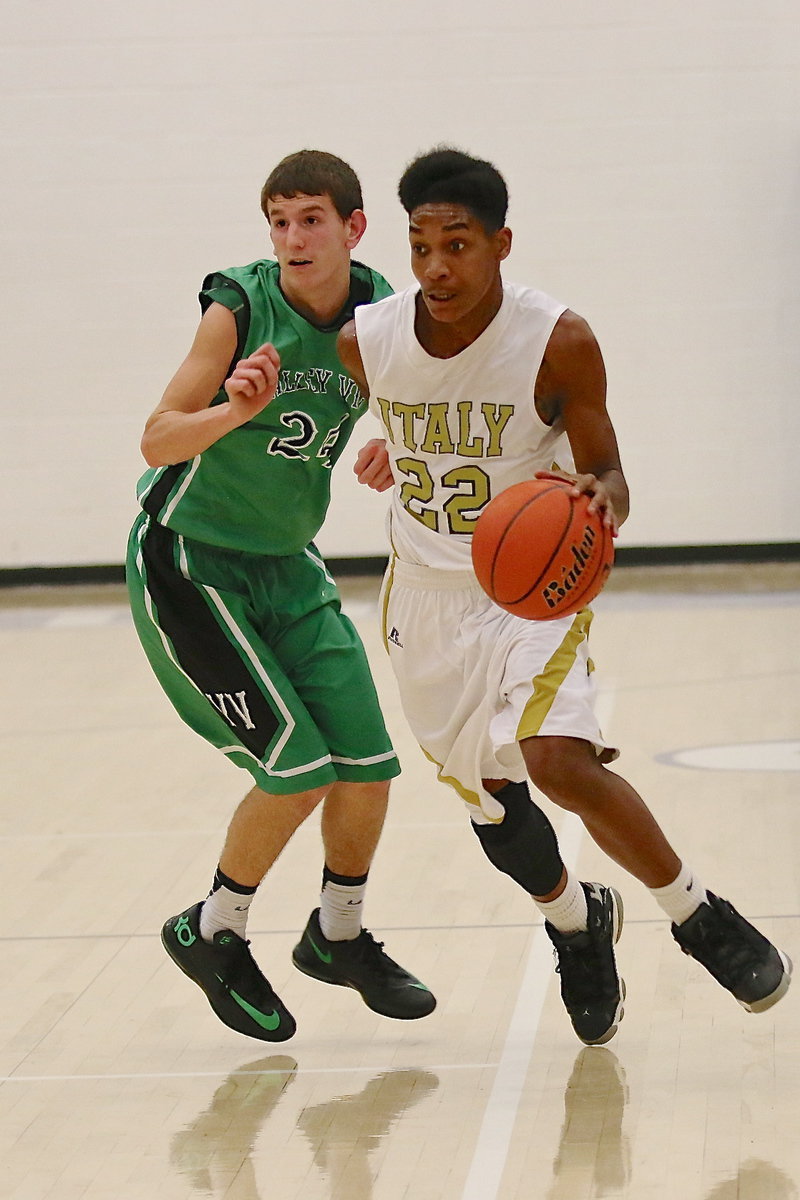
(265, 487)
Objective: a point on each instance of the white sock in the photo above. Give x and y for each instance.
(226, 907)
(568, 912)
(340, 905)
(682, 897)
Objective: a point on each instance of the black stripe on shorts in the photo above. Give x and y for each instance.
(161, 490)
(201, 647)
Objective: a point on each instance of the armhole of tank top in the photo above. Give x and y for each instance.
(241, 315)
(556, 317)
(359, 315)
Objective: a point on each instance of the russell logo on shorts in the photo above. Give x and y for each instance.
(394, 637)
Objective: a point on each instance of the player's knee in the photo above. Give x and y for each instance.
(371, 792)
(304, 803)
(523, 845)
(563, 769)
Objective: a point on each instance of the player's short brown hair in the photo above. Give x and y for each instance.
(314, 173)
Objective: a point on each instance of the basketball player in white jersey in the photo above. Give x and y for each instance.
(480, 384)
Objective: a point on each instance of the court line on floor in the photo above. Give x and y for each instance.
(474, 927)
(491, 1148)
(224, 1074)
(486, 927)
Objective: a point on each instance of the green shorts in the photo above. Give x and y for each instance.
(257, 657)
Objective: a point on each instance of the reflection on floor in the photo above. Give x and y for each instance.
(227, 1129)
(594, 1107)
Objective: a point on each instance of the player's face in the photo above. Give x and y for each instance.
(312, 242)
(456, 262)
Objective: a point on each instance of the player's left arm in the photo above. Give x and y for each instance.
(571, 386)
(372, 462)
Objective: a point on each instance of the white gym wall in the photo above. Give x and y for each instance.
(652, 152)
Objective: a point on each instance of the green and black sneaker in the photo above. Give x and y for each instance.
(362, 964)
(224, 968)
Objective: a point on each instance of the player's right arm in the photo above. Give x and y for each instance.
(184, 423)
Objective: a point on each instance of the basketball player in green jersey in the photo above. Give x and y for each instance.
(237, 613)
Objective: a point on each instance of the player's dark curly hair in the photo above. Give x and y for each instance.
(314, 173)
(448, 176)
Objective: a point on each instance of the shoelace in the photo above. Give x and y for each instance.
(575, 961)
(581, 970)
(370, 952)
(243, 974)
(367, 947)
(729, 950)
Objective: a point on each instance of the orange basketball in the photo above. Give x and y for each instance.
(538, 553)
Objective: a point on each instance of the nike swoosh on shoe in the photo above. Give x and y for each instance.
(326, 958)
(269, 1021)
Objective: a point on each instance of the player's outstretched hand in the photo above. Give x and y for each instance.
(601, 501)
(372, 466)
(253, 382)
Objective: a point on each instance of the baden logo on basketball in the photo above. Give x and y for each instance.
(557, 591)
(539, 553)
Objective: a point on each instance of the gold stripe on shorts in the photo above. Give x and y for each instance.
(466, 795)
(387, 587)
(546, 684)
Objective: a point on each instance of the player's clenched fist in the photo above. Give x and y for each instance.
(253, 382)
(372, 466)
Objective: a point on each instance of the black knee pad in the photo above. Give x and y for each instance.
(524, 844)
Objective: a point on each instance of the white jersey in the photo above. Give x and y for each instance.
(458, 430)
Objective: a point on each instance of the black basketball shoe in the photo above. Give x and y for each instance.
(361, 963)
(591, 989)
(754, 971)
(224, 968)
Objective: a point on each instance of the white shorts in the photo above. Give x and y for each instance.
(475, 681)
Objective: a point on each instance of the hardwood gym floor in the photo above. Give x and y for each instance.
(118, 1083)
